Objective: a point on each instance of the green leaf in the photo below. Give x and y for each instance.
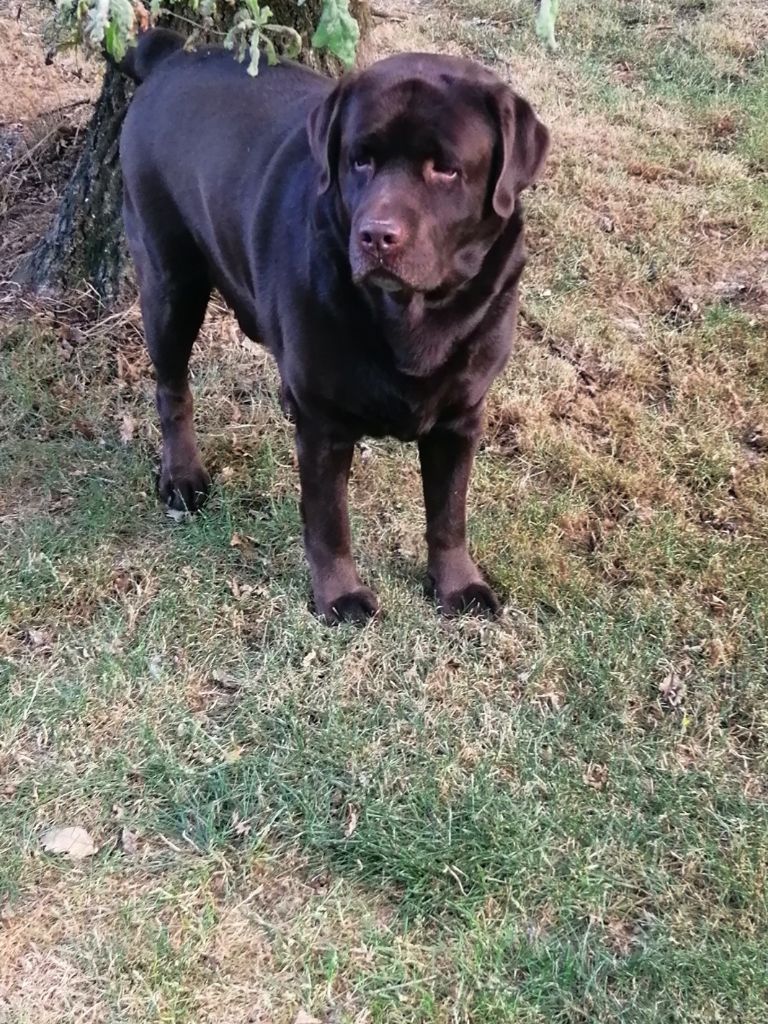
(248, 25)
(337, 31)
(112, 42)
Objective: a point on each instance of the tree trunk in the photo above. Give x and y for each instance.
(85, 241)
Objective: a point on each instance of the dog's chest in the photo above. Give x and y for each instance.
(365, 373)
(384, 407)
(362, 395)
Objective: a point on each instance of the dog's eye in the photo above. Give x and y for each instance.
(436, 171)
(362, 162)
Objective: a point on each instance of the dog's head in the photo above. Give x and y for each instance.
(429, 155)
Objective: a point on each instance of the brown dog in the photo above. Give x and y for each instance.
(369, 233)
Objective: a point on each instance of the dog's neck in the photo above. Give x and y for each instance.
(425, 331)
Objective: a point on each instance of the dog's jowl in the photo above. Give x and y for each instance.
(369, 233)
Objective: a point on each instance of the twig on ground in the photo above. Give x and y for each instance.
(386, 15)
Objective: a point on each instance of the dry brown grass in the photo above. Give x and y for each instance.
(31, 87)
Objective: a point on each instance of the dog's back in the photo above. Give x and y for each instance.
(201, 144)
(194, 108)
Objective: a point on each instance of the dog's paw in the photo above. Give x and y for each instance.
(357, 606)
(474, 599)
(184, 491)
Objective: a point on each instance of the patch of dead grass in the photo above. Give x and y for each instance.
(30, 86)
(236, 938)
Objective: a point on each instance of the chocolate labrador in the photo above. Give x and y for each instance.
(369, 233)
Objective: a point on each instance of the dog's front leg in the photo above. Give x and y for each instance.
(324, 467)
(446, 463)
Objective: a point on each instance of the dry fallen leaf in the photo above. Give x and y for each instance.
(551, 698)
(672, 690)
(606, 224)
(38, 637)
(84, 428)
(127, 428)
(128, 842)
(240, 827)
(73, 841)
(302, 1017)
(225, 680)
(718, 653)
(244, 545)
(621, 935)
(596, 775)
(352, 817)
(630, 325)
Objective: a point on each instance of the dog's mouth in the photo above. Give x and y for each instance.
(386, 280)
(397, 276)
(396, 283)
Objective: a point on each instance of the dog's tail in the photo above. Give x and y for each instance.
(152, 49)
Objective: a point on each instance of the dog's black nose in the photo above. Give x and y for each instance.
(381, 237)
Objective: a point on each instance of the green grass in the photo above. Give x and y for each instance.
(557, 818)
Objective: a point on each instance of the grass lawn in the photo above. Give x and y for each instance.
(560, 818)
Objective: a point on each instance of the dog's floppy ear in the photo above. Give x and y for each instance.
(524, 147)
(324, 131)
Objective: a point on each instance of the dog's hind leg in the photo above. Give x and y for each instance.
(174, 296)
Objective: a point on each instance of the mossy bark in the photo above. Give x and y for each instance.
(84, 244)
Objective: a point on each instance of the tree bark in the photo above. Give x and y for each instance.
(85, 242)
